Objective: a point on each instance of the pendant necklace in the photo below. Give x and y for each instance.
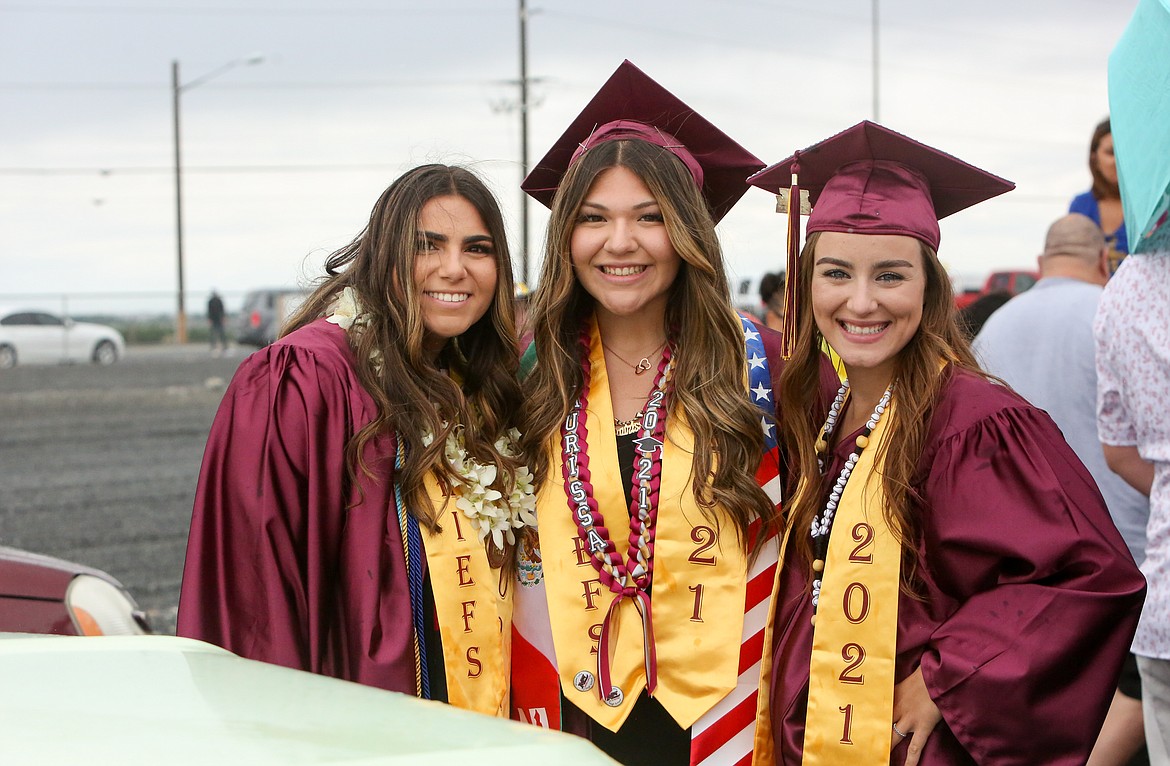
(643, 364)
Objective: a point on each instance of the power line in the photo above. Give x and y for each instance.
(208, 169)
(256, 11)
(339, 84)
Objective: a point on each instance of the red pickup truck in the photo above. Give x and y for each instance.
(1010, 282)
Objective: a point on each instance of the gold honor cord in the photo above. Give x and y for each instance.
(851, 676)
(473, 603)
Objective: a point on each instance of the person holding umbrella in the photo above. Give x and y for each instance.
(1132, 331)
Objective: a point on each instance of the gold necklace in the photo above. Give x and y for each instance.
(627, 427)
(643, 364)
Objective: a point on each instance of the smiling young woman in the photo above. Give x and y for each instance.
(953, 590)
(657, 484)
(455, 272)
(362, 481)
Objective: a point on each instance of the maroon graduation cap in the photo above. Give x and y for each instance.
(869, 179)
(630, 105)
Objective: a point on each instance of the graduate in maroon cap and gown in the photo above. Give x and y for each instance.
(952, 589)
(347, 520)
(642, 607)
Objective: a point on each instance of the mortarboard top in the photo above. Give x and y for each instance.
(869, 179)
(631, 105)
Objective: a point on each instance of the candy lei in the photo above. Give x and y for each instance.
(628, 577)
(822, 524)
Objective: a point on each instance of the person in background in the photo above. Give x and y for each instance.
(1102, 202)
(654, 564)
(1041, 344)
(216, 316)
(953, 590)
(362, 482)
(772, 298)
(1132, 331)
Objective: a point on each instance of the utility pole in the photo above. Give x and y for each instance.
(181, 318)
(524, 139)
(177, 89)
(876, 117)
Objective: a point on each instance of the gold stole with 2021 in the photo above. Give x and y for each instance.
(473, 604)
(697, 592)
(851, 676)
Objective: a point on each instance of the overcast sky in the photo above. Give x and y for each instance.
(283, 159)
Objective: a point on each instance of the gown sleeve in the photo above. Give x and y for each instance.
(267, 518)
(1037, 597)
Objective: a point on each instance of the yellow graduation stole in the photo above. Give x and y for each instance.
(473, 603)
(851, 676)
(697, 592)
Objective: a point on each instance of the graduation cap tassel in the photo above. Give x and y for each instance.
(788, 326)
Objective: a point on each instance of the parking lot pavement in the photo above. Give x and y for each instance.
(100, 463)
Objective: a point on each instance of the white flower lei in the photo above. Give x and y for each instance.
(348, 315)
(486, 507)
(489, 511)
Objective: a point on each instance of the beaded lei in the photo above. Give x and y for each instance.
(822, 524)
(629, 577)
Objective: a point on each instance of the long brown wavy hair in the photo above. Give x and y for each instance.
(919, 376)
(413, 395)
(707, 336)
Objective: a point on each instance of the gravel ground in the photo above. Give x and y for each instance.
(98, 464)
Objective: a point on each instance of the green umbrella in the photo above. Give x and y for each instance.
(1139, 106)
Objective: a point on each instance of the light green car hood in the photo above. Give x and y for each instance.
(161, 699)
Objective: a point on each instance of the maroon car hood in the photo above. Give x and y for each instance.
(31, 575)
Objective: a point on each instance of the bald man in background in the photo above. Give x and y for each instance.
(1041, 344)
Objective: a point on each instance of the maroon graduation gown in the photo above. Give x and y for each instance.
(1031, 596)
(287, 562)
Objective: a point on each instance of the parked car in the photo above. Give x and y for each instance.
(32, 335)
(161, 699)
(1011, 282)
(41, 594)
(265, 312)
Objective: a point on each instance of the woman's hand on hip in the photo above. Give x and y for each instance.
(915, 715)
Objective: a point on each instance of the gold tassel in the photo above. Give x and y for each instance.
(788, 326)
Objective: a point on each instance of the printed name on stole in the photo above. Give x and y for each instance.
(468, 615)
(581, 550)
(595, 637)
(591, 591)
(464, 568)
(463, 572)
(475, 667)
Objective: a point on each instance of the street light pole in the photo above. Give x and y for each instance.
(181, 317)
(523, 140)
(876, 81)
(177, 88)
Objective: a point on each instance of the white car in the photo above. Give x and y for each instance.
(30, 336)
